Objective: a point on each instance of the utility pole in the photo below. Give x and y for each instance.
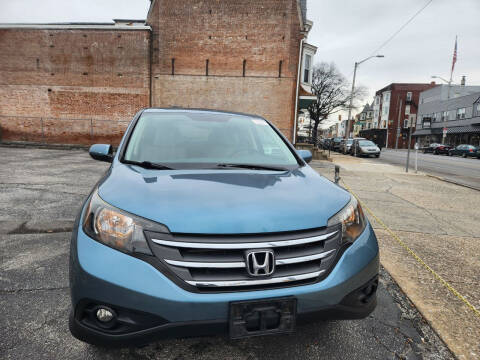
(351, 101)
(410, 120)
(399, 101)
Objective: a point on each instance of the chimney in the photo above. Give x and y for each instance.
(463, 81)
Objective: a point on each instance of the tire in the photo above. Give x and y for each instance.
(377, 156)
(435, 152)
(464, 156)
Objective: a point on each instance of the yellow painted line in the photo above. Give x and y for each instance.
(418, 258)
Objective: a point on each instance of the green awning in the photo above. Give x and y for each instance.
(305, 101)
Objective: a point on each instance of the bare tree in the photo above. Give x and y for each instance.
(333, 94)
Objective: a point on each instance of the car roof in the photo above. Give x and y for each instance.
(196, 110)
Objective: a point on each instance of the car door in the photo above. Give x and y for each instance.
(458, 150)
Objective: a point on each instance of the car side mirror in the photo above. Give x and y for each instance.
(101, 152)
(306, 155)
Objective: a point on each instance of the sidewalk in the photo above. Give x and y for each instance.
(438, 221)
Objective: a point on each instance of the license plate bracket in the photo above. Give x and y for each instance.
(262, 317)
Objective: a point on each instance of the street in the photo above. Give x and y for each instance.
(456, 169)
(40, 193)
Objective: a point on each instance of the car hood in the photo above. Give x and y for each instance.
(224, 201)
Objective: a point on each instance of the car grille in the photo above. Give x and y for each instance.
(217, 262)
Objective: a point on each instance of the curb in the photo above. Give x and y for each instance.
(452, 182)
(20, 144)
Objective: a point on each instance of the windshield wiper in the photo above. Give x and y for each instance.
(252, 166)
(148, 165)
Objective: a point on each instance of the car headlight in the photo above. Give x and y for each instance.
(116, 228)
(352, 219)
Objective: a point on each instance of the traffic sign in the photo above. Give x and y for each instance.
(445, 131)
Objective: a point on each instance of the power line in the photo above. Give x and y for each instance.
(401, 28)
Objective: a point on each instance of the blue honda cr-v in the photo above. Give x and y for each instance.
(211, 222)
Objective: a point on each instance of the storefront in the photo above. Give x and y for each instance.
(455, 136)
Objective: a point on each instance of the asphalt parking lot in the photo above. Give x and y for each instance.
(41, 192)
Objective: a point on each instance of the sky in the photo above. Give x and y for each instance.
(345, 31)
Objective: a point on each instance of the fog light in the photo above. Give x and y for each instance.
(104, 315)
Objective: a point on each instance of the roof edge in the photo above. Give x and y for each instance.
(86, 26)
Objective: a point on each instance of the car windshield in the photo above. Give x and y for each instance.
(366, 143)
(203, 139)
(349, 142)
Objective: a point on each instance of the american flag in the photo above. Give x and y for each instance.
(454, 55)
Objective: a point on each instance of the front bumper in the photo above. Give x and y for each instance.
(369, 153)
(155, 307)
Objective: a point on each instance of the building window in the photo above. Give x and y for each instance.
(460, 113)
(452, 114)
(405, 123)
(407, 109)
(385, 110)
(375, 114)
(386, 97)
(444, 115)
(377, 100)
(307, 68)
(478, 109)
(409, 96)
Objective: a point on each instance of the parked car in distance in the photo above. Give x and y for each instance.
(211, 222)
(361, 147)
(336, 143)
(436, 149)
(324, 143)
(347, 145)
(351, 148)
(465, 150)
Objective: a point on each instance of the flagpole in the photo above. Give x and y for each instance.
(453, 66)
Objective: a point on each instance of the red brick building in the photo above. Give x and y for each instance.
(82, 83)
(392, 106)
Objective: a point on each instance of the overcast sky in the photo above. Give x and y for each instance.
(345, 31)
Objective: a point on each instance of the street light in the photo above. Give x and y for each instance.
(347, 130)
(441, 78)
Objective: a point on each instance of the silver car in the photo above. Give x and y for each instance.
(365, 148)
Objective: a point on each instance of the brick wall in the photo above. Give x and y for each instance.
(83, 85)
(232, 35)
(398, 96)
(71, 86)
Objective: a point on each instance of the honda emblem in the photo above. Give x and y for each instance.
(260, 262)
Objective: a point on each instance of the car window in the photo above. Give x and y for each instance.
(206, 138)
(366, 143)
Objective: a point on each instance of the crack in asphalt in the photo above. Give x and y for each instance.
(23, 229)
(14, 291)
